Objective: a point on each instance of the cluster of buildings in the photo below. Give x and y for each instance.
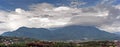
(9, 41)
(79, 44)
(115, 43)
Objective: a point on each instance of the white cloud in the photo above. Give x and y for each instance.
(61, 9)
(115, 27)
(117, 6)
(47, 15)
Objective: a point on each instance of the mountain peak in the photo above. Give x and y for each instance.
(73, 32)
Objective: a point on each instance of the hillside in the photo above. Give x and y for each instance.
(64, 33)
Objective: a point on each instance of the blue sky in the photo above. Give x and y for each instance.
(117, 2)
(24, 4)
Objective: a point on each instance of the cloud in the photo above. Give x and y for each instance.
(88, 20)
(44, 15)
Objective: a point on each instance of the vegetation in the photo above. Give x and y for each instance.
(27, 42)
(62, 44)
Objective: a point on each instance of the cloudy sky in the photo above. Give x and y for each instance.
(103, 14)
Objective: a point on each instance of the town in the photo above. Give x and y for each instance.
(27, 42)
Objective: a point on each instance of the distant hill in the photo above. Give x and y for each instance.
(73, 32)
(117, 33)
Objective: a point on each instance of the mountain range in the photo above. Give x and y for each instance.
(117, 33)
(73, 32)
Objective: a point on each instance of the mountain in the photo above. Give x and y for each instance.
(117, 33)
(73, 32)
